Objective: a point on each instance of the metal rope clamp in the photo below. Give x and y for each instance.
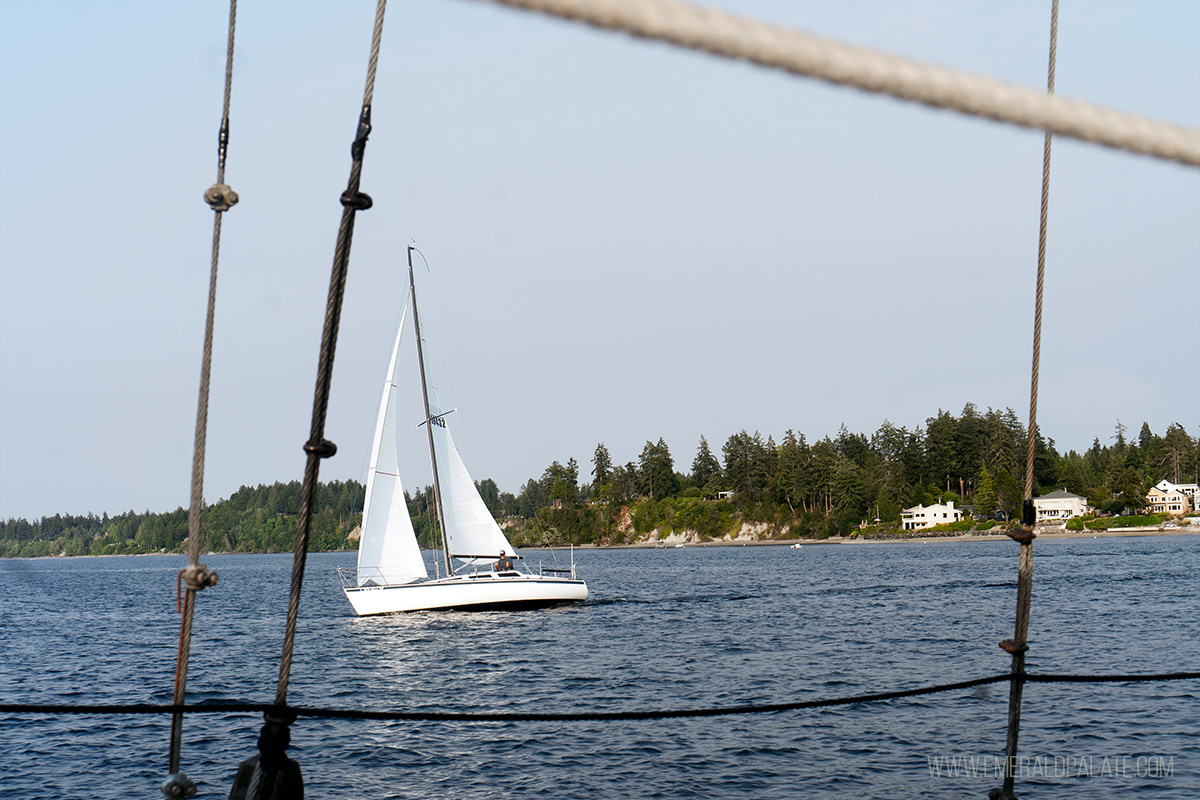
(198, 577)
(220, 196)
(178, 786)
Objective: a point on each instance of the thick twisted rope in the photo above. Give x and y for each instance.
(731, 36)
(196, 576)
(317, 447)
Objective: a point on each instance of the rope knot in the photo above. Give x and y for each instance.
(178, 786)
(221, 197)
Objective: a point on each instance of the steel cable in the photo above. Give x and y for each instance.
(317, 447)
(197, 576)
(1028, 511)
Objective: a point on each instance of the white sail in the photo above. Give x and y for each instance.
(387, 552)
(470, 528)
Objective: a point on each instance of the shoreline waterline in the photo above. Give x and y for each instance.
(968, 537)
(1186, 530)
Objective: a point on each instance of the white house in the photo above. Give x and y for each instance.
(1059, 506)
(1170, 498)
(920, 517)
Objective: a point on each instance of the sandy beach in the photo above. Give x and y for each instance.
(985, 536)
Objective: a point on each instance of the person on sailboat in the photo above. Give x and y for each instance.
(503, 564)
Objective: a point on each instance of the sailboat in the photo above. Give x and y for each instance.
(479, 560)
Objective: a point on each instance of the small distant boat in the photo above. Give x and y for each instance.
(679, 545)
(391, 575)
(797, 546)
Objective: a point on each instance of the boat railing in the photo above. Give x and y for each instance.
(555, 571)
(350, 576)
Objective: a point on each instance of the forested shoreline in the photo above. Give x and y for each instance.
(791, 487)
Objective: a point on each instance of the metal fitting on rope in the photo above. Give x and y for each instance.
(198, 577)
(322, 449)
(1011, 647)
(360, 137)
(178, 786)
(359, 201)
(1023, 535)
(221, 197)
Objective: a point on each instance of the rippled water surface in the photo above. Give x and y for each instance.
(671, 628)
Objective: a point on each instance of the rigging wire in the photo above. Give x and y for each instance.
(196, 576)
(271, 771)
(1017, 646)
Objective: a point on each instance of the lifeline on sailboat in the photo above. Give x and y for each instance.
(391, 575)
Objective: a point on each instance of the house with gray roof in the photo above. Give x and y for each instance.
(1059, 506)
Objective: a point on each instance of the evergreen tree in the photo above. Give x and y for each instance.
(985, 495)
(657, 470)
(705, 466)
(1009, 494)
(1177, 455)
(601, 466)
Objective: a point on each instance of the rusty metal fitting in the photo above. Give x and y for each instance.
(1010, 647)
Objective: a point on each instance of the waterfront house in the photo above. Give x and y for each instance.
(1169, 498)
(921, 517)
(1059, 506)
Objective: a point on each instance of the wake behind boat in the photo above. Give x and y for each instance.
(391, 575)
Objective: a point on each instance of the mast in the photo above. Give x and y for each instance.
(429, 422)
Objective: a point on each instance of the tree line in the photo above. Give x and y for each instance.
(259, 519)
(823, 488)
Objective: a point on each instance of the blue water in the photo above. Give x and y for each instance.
(673, 628)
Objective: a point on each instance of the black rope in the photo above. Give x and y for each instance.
(1162, 676)
(603, 716)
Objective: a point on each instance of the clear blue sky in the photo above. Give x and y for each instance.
(630, 241)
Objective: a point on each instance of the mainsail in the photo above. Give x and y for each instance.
(470, 528)
(387, 552)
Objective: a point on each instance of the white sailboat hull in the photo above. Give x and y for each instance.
(477, 591)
